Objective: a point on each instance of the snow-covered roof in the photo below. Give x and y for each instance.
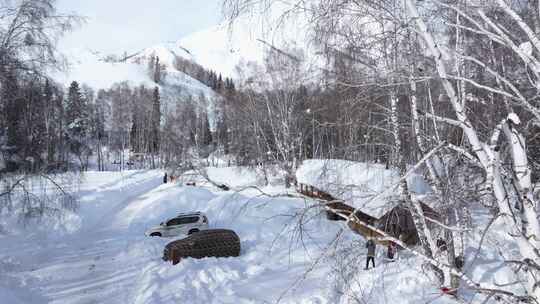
(368, 186)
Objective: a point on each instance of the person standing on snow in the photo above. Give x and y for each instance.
(165, 178)
(370, 245)
(391, 253)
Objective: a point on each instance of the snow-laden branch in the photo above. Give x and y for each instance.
(447, 120)
(527, 58)
(489, 158)
(483, 87)
(450, 228)
(13, 186)
(498, 76)
(441, 69)
(533, 38)
(499, 36)
(464, 152)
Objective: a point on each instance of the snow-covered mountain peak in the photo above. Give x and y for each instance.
(221, 50)
(101, 71)
(166, 52)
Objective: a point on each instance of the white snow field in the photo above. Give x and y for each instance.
(105, 258)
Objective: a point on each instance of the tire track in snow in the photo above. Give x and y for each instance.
(87, 268)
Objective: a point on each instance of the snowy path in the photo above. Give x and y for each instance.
(82, 267)
(88, 269)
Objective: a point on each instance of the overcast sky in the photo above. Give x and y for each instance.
(130, 25)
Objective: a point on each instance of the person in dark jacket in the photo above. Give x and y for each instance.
(391, 251)
(370, 245)
(165, 178)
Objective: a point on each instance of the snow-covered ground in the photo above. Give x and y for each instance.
(106, 258)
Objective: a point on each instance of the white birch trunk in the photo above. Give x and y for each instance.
(397, 157)
(437, 183)
(415, 208)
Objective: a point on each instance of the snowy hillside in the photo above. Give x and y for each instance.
(219, 49)
(101, 72)
(222, 47)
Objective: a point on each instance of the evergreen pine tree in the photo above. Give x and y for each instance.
(219, 84)
(100, 115)
(157, 71)
(190, 118)
(36, 133)
(134, 133)
(213, 80)
(207, 134)
(151, 66)
(50, 120)
(156, 118)
(76, 118)
(14, 110)
(222, 132)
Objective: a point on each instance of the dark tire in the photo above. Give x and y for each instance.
(155, 234)
(207, 243)
(192, 231)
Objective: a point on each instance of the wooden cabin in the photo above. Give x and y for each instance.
(362, 228)
(398, 222)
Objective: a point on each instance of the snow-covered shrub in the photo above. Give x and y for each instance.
(46, 200)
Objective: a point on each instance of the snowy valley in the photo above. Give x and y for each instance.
(101, 254)
(142, 144)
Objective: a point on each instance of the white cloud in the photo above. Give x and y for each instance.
(130, 25)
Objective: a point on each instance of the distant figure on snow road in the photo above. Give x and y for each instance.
(370, 245)
(165, 178)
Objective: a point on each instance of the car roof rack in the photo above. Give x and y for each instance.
(188, 214)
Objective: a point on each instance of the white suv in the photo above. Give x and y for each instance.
(184, 223)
